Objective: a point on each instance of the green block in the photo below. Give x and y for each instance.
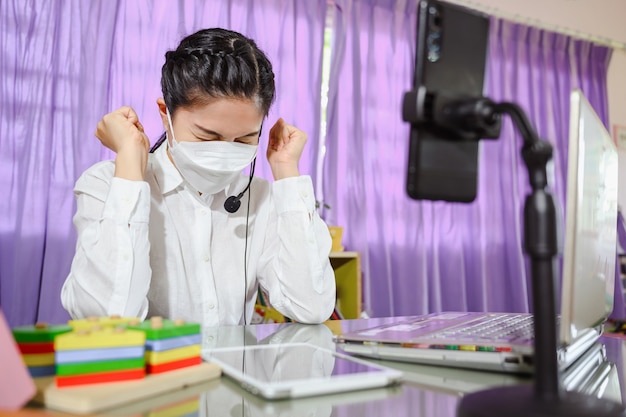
(81, 368)
(169, 328)
(39, 333)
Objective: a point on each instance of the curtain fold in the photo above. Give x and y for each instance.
(64, 64)
(52, 92)
(422, 256)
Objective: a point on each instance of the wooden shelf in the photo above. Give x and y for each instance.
(347, 266)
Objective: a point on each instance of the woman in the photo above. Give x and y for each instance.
(168, 232)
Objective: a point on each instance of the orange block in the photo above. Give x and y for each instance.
(170, 366)
(100, 377)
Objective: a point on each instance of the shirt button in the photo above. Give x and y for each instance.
(125, 258)
(206, 257)
(203, 212)
(211, 306)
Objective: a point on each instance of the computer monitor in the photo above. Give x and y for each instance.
(590, 220)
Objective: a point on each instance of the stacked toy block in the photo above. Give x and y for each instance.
(108, 321)
(170, 344)
(36, 344)
(99, 354)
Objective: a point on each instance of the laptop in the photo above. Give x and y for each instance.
(504, 341)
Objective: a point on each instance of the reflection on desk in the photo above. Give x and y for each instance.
(428, 391)
(232, 400)
(591, 374)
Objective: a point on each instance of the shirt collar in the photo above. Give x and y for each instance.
(166, 174)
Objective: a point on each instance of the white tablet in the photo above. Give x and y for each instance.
(293, 370)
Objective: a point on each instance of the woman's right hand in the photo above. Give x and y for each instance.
(122, 132)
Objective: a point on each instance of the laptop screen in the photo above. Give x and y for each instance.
(590, 222)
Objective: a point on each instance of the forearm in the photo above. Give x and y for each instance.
(299, 278)
(110, 272)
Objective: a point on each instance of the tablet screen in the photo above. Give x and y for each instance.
(292, 370)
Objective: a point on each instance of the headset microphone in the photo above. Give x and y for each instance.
(233, 203)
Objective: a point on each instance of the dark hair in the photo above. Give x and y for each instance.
(217, 63)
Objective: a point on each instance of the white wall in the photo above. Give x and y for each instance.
(603, 20)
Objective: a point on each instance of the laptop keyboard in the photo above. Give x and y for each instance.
(496, 328)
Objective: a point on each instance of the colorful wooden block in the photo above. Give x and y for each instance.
(102, 322)
(101, 377)
(99, 338)
(155, 358)
(90, 355)
(99, 366)
(157, 328)
(39, 371)
(38, 359)
(39, 333)
(173, 342)
(99, 354)
(36, 345)
(170, 344)
(29, 348)
(170, 366)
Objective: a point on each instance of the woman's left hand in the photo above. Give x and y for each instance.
(284, 149)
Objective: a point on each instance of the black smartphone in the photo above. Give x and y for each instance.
(451, 54)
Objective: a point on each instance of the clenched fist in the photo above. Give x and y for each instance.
(122, 132)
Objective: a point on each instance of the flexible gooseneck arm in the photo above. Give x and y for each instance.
(541, 245)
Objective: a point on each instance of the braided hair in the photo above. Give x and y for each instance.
(216, 63)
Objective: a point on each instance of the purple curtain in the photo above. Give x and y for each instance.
(421, 256)
(64, 64)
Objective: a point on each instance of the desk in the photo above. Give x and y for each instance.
(428, 391)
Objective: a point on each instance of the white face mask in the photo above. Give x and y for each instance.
(209, 166)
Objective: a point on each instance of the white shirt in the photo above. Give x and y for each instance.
(155, 247)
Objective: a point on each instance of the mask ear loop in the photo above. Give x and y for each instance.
(164, 136)
(169, 121)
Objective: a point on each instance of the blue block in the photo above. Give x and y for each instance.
(38, 371)
(173, 342)
(97, 355)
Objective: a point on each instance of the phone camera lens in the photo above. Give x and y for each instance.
(433, 41)
(434, 19)
(433, 56)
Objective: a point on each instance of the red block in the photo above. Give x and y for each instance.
(170, 366)
(42, 347)
(100, 377)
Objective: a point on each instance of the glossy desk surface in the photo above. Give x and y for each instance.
(427, 390)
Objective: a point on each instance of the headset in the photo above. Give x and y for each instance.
(233, 203)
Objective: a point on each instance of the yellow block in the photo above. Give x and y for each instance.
(155, 358)
(107, 321)
(107, 337)
(38, 359)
